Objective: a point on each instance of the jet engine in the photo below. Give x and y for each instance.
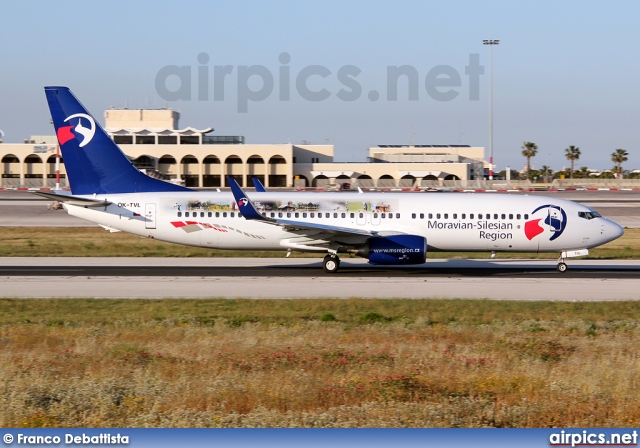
(394, 249)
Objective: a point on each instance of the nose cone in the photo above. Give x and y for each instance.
(611, 231)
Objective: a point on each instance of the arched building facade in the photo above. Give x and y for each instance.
(196, 159)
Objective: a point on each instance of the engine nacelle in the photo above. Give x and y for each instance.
(395, 249)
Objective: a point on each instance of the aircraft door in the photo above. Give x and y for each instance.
(361, 217)
(375, 218)
(149, 216)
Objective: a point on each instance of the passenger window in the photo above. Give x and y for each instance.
(471, 216)
(455, 216)
(179, 214)
(288, 214)
(304, 215)
(343, 215)
(518, 216)
(297, 215)
(361, 215)
(279, 214)
(464, 216)
(327, 215)
(397, 215)
(273, 215)
(413, 215)
(217, 214)
(312, 215)
(352, 215)
(186, 214)
(503, 216)
(446, 216)
(375, 215)
(390, 215)
(335, 215)
(224, 214)
(421, 215)
(495, 216)
(437, 215)
(430, 215)
(209, 214)
(240, 216)
(233, 215)
(526, 216)
(510, 215)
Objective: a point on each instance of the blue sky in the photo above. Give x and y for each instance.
(565, 73)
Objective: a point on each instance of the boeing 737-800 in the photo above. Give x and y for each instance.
(386, 228)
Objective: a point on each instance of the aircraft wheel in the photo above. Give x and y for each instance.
(562, 267)
(331, 263)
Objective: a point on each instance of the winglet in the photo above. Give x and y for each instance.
(259, 187)
(245, 205)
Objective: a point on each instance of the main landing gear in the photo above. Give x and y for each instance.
(331, 263)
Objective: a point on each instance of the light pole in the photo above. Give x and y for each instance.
(491, 43)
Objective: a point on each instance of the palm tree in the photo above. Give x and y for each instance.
(572, 153)
(529, 149)
(619, 156)
(546, 171)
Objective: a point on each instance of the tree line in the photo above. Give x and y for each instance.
(572, 153)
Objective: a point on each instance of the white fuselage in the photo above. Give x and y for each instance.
(449, 221)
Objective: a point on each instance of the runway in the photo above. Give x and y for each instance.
(154, 278)
(586, 280)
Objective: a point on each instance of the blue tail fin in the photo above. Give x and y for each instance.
(93, 161)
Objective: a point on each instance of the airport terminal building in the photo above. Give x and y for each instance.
(197, 158)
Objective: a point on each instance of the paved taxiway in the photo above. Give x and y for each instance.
(586, 280)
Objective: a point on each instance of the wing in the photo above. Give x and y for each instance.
(314, 230)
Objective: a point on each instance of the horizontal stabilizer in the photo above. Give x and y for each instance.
(73, 200)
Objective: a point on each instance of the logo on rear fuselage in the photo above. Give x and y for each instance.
(556, 218)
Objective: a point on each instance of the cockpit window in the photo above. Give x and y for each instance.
(589, 215)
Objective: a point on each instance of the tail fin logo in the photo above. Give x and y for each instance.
(65, 134)
(242, 202)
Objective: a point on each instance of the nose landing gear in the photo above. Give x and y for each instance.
(561, 266)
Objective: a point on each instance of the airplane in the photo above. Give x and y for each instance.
(386, 228)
